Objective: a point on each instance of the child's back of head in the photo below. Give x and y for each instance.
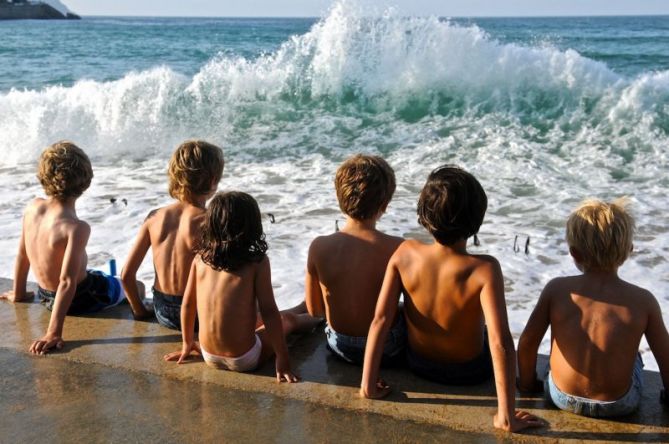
(64, 170)
(452, 204)
(601, 233)
(232, 233)
(365, 185)
(195, 168)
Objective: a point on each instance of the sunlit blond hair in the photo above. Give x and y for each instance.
(602, 233)
(195, 166)
(64, 170)
(364, 185)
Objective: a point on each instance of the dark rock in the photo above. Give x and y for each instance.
(21, 10)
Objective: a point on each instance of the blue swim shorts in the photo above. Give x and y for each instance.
(96, 292)
(598, 409)
(352, 348)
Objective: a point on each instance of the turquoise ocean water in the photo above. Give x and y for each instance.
(544, 111)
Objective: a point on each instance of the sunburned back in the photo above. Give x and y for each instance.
(226, 308)
(596, 329)
(173, 231)
(47, 227)
(442, 302)
(350, 269)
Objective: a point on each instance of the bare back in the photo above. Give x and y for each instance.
(442, 301)
(596, 327)
(47, 227)
(350, 269)
(173, 232)
(226, 308)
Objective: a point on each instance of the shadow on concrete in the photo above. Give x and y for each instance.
(315, 363)
(163, 339)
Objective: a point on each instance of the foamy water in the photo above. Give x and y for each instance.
(541, 127)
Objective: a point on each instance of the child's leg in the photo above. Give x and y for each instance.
(298, 309)
(294, 320)
(291, 323)
(298, 323)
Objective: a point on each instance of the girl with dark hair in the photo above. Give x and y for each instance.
(229, 278)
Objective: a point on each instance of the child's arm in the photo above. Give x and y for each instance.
(658, 340)
(188, 314)
(386, 307)
(74, 253)
(313, 295)
(502, 351)
(21, 269)
(272, 319)
(529, 342)
(129, 272)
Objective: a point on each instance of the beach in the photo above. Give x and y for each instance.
(545, 112)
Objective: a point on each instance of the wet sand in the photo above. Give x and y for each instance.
(109, 384)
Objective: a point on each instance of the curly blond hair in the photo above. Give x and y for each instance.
(602, 233)
(64, 170)
(195, 166)
(365, 185)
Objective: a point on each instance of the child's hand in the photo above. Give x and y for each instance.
(283, 371)
(13, 297)
(181, 356)
(380, 390)
(521, 420)
(43, 345)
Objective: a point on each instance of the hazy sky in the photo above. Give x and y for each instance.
(314, 8)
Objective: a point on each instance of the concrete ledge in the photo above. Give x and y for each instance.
(114, 341)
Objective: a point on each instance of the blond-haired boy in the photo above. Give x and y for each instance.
(345, 269)
(597, 321)
(195, 169)
(53, 242)
(449, 296)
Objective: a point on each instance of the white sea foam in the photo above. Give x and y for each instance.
(541, 128)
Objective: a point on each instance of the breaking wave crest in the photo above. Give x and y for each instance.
(375, 69)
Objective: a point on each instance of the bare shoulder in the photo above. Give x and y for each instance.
(35, 204)
(639, 294)
(406, 251)
(194, 216)
(391, 241)
(322, 243)
(260, 268)
(76, 228)
(153, 215)
(486, 264)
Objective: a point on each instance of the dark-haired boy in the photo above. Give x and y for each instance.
(345, 269)
(597, 321)
(449, 297)
(194, 171)
(53, 242)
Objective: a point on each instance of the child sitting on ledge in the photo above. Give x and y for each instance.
(53, 242)
(597, 321)
(448, 295)
(345, 269)
(229, 278)
(194, 171)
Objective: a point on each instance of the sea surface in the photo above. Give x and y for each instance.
(544, 111)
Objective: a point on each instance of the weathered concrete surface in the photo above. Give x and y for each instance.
(53, 400)
(113, 344)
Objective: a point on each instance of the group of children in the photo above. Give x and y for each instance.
(213, 282)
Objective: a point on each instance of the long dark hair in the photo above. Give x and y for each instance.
(232, 234)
